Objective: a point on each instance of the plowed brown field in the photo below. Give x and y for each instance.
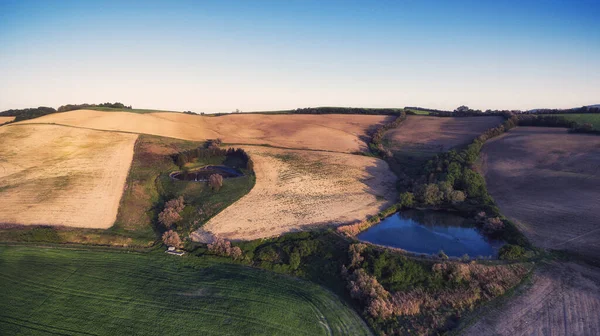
(425, 136)
(332, 132)
(298, 189)
(548, 182)
(563, 299)
(59, 175)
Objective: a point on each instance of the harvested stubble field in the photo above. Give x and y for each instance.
(64, 176)
(298, 189)
(562, 299)
(6, 119)
(427, 136)
(332, 132)
(74, 292)
(548, 181)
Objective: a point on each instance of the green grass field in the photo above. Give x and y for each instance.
(583, 118)
(418, 112)
(74, 292)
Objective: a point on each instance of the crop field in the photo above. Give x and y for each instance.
(548, 182)
(583, 118)
(301, 189)
(71, 292)
(331, 132)
(426, 136)
(63, 176)
(562, 299)
(6, 119)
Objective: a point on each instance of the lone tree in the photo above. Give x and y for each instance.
(171, 213)
(171, 238)
(215, 181)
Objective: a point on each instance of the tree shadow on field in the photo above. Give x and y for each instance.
(381, 183)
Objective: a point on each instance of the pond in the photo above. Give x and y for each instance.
(429, 232)
(203, 173)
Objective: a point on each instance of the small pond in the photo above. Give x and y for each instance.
(429, 232)
(203, 173)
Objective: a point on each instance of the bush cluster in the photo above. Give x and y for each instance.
(399, 294)
(222, 247)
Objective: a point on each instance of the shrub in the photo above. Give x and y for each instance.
(493, 225)
(236, 253)
(511, 252)
(171, 213)
(407, 200)
(220, 247)
(171, 238)
(457, 196)
(430, 194)
(215, 181)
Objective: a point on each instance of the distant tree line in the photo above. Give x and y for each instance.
(465, 111)
(28, 113)
(348, 110)
(577, 110)
(72, 107)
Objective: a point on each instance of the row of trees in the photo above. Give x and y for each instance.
(348, 110)
(72, 107)
(28, 113)
(376, 144)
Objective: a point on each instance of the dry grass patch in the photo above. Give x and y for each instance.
(422, 135)
(61, 175)
(548, 181)
(333, 132)
(6, 119)
(297, 189)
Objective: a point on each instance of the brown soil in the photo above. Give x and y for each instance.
(423, 135)
(6, 119)
(56, 175)
(562, 299)
(548, 182)
(298, 189)
(332, 132)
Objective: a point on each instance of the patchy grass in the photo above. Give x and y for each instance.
(62, 291)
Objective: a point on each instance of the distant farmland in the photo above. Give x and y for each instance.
(583, 118)
(68, 292)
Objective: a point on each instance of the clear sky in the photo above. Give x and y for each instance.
(257, 55)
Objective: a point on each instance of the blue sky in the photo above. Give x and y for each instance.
(265, 55)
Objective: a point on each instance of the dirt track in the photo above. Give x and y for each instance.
(297, 189)
(563, 299)
(59, 175)
(548, 182)
(423, 135)
(333, 132)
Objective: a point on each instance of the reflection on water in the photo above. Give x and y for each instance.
(429, 232)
